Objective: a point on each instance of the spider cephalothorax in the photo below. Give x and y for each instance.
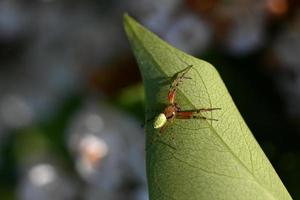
(173, 111)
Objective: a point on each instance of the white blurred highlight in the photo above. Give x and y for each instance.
(42, 175)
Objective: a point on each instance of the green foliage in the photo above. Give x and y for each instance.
(197, 159)
(131, 99)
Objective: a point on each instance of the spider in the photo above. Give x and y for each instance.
(172, 110)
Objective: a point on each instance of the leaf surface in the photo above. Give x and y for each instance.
(195, 158)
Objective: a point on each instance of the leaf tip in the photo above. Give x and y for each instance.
(127, 20)
(125, 17)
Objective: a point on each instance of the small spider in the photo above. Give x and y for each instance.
(173, 111)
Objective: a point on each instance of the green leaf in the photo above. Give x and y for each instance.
(194, 158)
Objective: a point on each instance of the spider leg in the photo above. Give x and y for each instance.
(172, 137)
(202, 110)
(158, 138)
(178, 78)
(161, 130)
(160, 141)
(194, 114)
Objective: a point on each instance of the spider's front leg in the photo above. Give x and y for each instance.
(178, 78)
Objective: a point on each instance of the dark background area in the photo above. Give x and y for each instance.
(71, 96)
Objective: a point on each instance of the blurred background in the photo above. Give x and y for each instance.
(72, 100)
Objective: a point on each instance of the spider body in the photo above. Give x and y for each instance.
(172, 111)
